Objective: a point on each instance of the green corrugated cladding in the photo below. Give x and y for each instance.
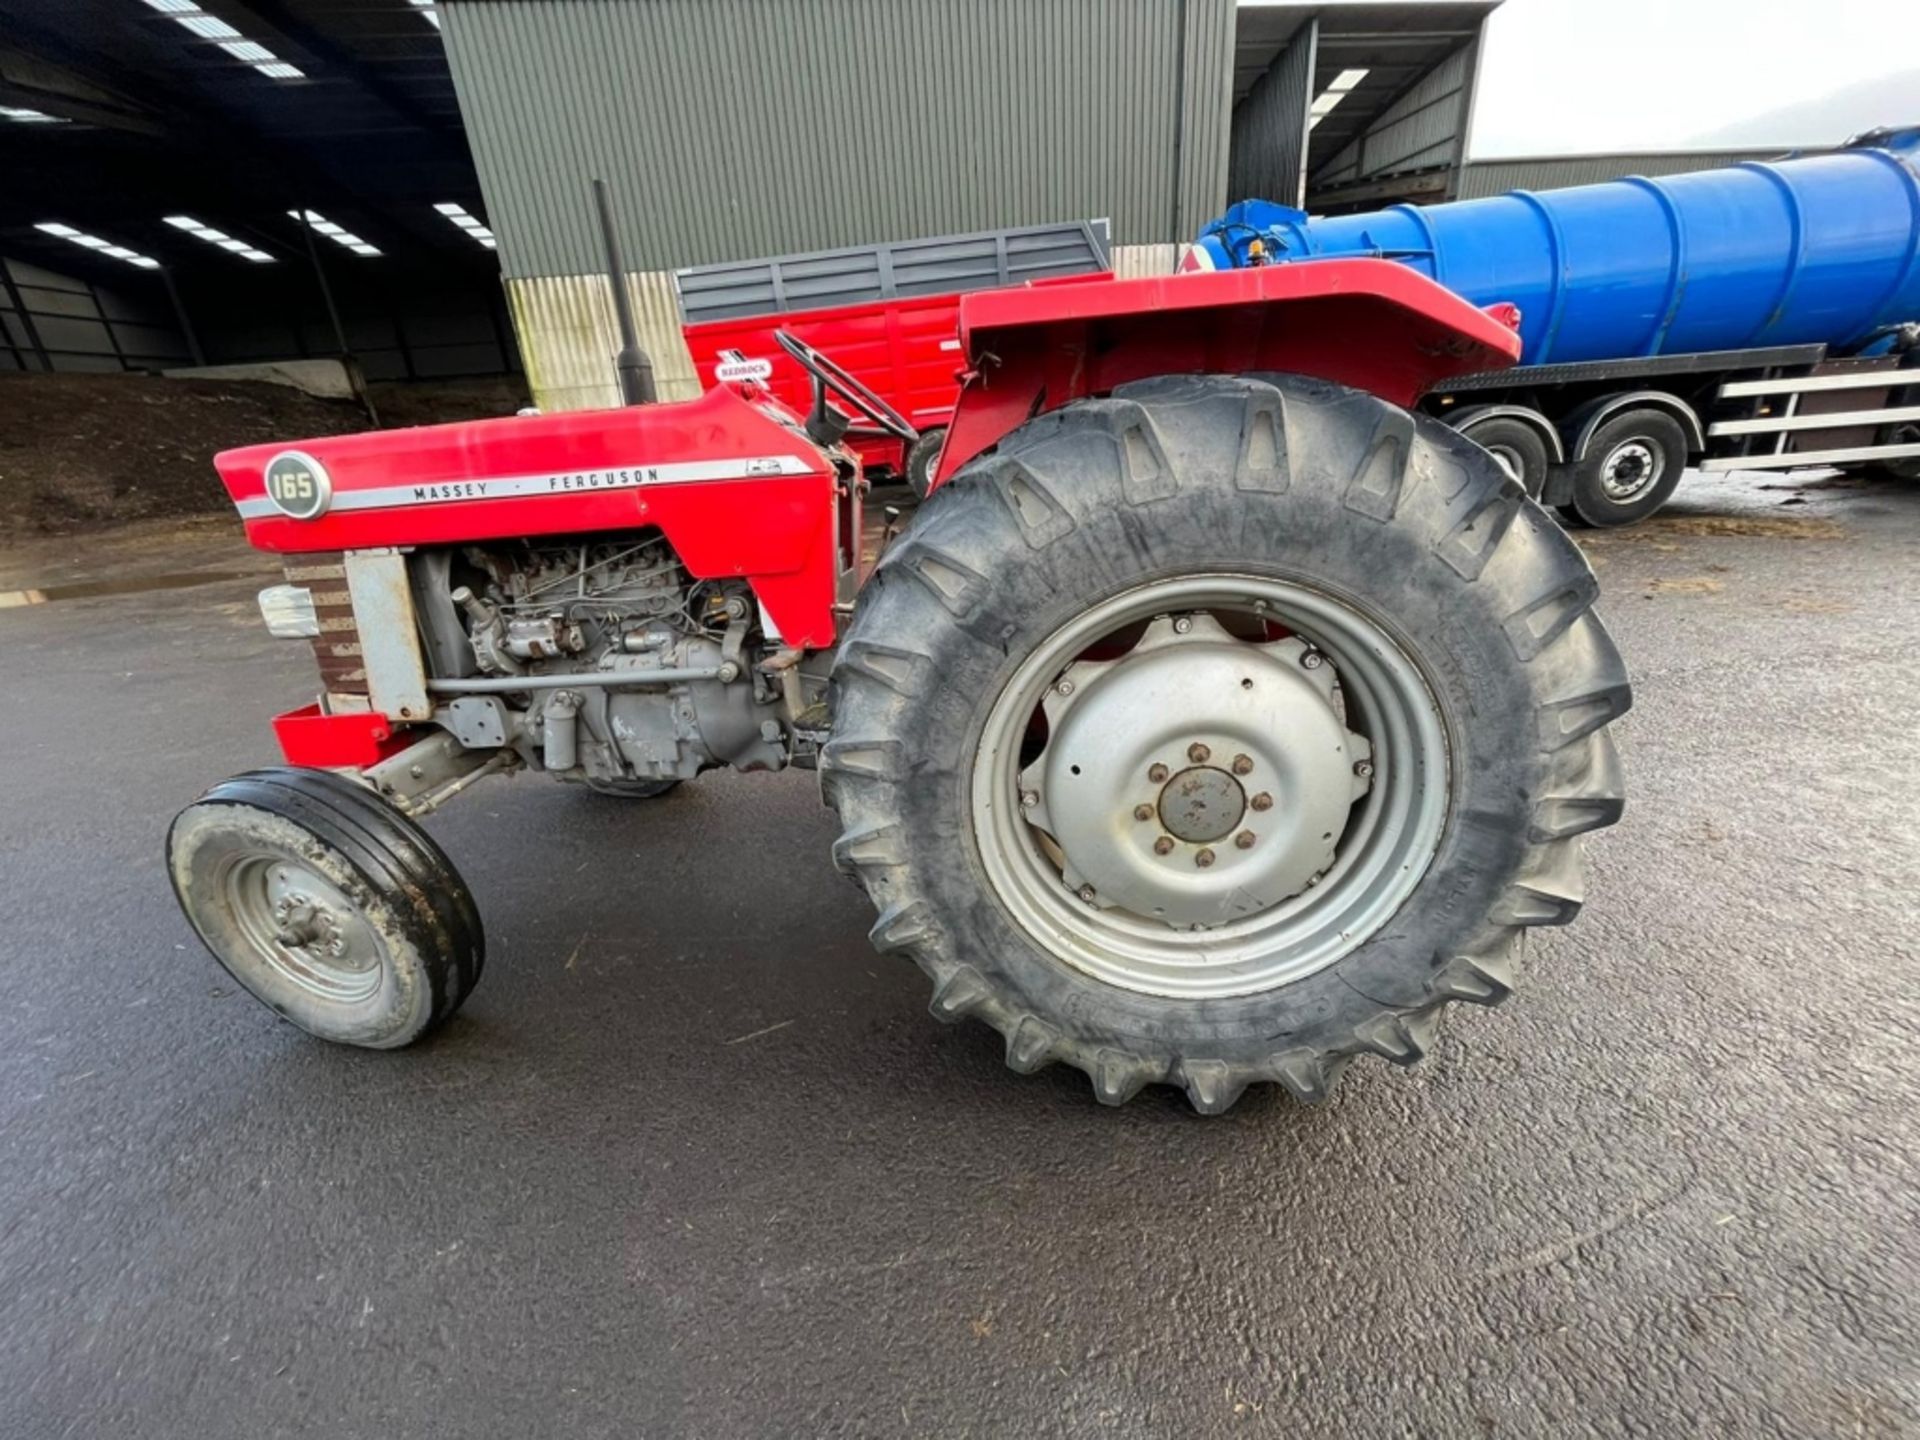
(730, 129)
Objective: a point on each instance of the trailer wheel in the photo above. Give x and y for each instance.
(921, 458)
(1632, 466)
(1221, 731)
(328, 905)
(1516, 447)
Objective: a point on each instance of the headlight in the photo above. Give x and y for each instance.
(288, 611)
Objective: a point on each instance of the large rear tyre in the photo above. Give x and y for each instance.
(328, 905)
(1221, 731)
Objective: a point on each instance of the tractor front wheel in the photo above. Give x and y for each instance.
(332, 908)
(1221, 731)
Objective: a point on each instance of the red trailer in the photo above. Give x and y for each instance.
(907, 351)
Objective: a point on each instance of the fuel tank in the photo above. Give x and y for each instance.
(1823, 249)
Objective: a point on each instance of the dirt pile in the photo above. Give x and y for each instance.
(80, 451)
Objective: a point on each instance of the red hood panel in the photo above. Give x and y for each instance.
(524, 475)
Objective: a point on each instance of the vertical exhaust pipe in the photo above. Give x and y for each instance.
(636, 369)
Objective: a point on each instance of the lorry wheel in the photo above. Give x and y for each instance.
(1632, 465)
(921, 458)
(632, 789)
(1221, 731)
(1516, 447)
(330, 906)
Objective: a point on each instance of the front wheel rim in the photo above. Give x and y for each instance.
(1321, 703)
(303, 928)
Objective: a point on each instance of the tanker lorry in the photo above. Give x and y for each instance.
(1764, 316)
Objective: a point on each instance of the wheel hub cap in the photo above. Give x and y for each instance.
(305, 928)
(1630, 469)
(1133, 794)
(1201, 805)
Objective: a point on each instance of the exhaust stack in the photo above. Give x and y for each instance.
(633, 363)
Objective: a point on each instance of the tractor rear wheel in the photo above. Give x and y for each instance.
(1221, 731)
(332, 908)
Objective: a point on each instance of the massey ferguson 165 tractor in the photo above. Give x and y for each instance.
(1215, 719)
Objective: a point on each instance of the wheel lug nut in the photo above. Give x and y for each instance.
(1143, 812)
(1065, 687)
(1029, 799)
(1182, 625)
(1242, 764)
(1313, 660)
(1156, 773)
(1204, 858)
(1198, 753)
(1262, 801)
(1163, 846)
(1086, 893)
(1363, 768)
(1244, 840)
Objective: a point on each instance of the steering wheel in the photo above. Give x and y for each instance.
(827, 376)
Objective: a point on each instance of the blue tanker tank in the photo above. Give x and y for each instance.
(1823, 249)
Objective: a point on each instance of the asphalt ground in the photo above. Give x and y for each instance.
(694, 1161)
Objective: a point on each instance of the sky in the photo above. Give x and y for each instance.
(1597, 75)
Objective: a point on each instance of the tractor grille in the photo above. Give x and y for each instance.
(337, 647)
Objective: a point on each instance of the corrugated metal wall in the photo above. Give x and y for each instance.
(736, 128)
(1426, 126)
(1555, 172)
(1268, 159)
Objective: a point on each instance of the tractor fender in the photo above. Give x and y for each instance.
(1370, 324)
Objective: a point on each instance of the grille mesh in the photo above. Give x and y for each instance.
(337, 647)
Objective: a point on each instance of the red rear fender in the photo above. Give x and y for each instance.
(1371, 324)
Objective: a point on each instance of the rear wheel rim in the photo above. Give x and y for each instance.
(303, 928)
(1083, 877)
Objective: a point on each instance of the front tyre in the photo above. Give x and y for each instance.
(1221, 731)
(329, 906)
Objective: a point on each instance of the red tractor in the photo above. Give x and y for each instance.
(1215, 719)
